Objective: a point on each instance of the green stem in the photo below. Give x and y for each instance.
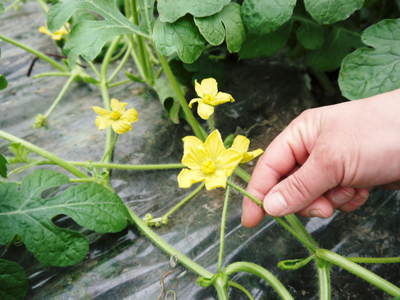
(52, 74)
(262, 273)
(299, 227)
(245, 193)
(121, 64)
(50, 156)
(324, 278)
(94, 69)
(39, 54)
(118, 83)
(211, 123)
(107, 58)
(222, 229)
(359, 271)
(183, 201)
(242, 174)
(241, 288)
(374, 260)
(221, 288)
(196, 127)
(138, 63)
(167, 248)
(146, 167)
(60, 95)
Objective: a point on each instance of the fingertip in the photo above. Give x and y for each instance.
(320, 208)
(252, 214)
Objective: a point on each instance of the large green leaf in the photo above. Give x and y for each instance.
(27, 210)
(338, 43)
(265, 45)
(88, 37)
(227, 24)
(331, 11)
(13, 281)
(264, 16)
(172, 10)
(3, 166)
(181, 38)
(371, 71)
(310, 35)
(167, 97)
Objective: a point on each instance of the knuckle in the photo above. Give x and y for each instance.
(297, 188)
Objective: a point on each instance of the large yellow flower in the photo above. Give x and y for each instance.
(207, 90)
(118, 118)
(241, 144)
(57, 35)
(209, 161)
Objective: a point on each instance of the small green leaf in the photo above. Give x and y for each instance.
(373, 70)
(265, 45)
(88, 37)
(172, 10)
(3, 82)
(21, 153)
(167, 96)
(3, 166)
(331, 11)
(227, 24)
(13, 280)
(27, 210)
(181, 38)
(264, 16)
(310, 35)
(338, 43)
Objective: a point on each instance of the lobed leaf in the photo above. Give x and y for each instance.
(13, 280)
(265, 16)
(3, 166)
(373, 70)
(181, 38)
(24, 211)
(331, 11)
(227, 24)
(172, 10)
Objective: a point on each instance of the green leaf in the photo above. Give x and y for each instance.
(3, 82)
(167, 96)
(13, 280)
(371, 71)
(331, 11)
(3, 166)
(172, 10)
(1, 8)
(88, 37)
(310, 35)
(264, 16)
(227, 24)
(21, 153)
(181, 38)
(265, 45)
(27, 210)
(338, 43)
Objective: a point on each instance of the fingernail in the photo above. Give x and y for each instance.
(275, 204)
(340, 198)
(315, 213)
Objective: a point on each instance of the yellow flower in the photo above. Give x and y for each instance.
(209, 161)
(241, 144)
(57, 35)
(207, 90)
(118, 118)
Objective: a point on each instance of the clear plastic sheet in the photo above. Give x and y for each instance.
(126, 265)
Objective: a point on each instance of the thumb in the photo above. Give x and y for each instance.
(301, 188)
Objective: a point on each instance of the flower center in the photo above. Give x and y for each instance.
(208, 99)
(208, 167)
(115, 115)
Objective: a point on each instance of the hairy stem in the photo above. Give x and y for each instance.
(60, 95)
(222, 229)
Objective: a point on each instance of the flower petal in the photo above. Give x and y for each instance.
(214, 145)
(199, 89)
(117, 105)
(241, 143)
(193, 152)
(216, 180)
(221, 98)
(121, 126)
(102, 122)
(205, 110)
(131, 115)
(209, 86)
(194, 100)
(101, 111)
(187, 177)
(248, 156)
(228, 161)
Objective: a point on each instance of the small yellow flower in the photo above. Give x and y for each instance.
(241, 144)
(207, 90)
(118, 118)
(57, 35)
(209, 162)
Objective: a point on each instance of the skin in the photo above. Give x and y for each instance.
(328, 158)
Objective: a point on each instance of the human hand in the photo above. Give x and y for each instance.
(328, 158)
